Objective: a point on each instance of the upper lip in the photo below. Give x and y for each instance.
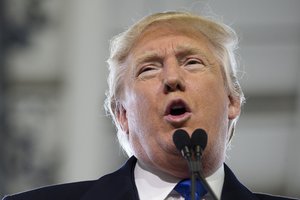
(177, 104)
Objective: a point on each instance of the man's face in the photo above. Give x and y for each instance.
(174, 81)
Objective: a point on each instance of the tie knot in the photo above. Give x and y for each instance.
(184, 189)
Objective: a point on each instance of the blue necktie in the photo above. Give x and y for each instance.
(184, 189)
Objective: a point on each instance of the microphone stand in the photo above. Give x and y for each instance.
(198, 172)
(203, 180)
(182, 142)
(193, 169)
(194, 174)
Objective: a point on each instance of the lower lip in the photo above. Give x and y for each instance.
(177, 119)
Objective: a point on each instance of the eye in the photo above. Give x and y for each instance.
(194, 63)
(148, 70)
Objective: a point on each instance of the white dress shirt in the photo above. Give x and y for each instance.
(159, 186)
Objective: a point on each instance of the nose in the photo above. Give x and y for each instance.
(173, 80)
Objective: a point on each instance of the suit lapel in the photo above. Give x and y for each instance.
(233, 189)
(119, 185)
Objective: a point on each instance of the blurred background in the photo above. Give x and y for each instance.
(53, 127)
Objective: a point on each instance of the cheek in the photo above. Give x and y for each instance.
(212, 100)
(142, 98)
(213, 107)
(137, 105)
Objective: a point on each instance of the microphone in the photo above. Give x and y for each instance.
(182, 142)
(199, 142)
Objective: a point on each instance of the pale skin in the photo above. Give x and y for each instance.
(167, 69)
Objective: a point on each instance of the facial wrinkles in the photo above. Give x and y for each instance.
(158, 31)
(137, 91)
(184, 50)
(159, 56)
(180, 50)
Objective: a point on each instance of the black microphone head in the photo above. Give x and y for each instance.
(181, 139)
(199, 137)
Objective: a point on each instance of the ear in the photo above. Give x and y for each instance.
(234, 107)
(122, 118)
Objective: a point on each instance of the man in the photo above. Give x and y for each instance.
(169, 71)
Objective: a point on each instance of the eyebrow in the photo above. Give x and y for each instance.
(186, 49)
(147, 57)
(181, 51)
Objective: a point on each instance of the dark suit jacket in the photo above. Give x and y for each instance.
(120, 185)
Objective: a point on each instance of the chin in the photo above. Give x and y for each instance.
(180, 168)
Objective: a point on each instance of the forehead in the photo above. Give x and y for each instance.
(158, 39)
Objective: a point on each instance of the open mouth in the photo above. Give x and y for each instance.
(177, 108)
(177, 113)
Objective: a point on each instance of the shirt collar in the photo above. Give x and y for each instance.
(157, 186)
